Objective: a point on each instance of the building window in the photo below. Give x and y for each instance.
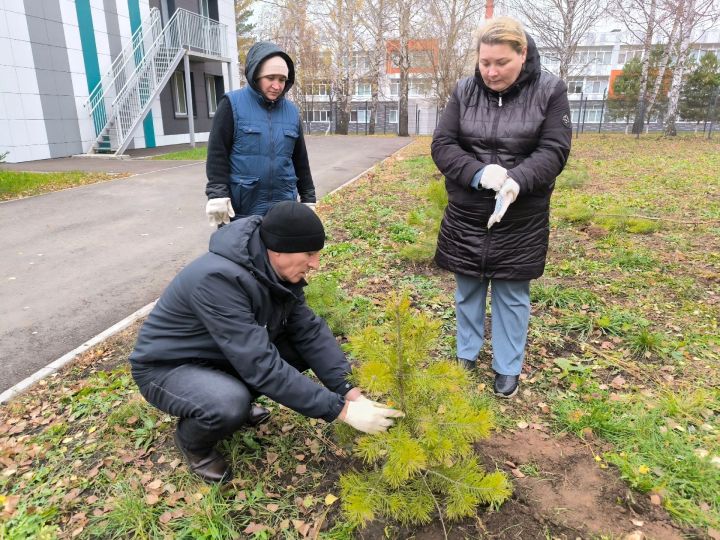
(626, 55)
(575, 86)
(589, 115)
(318, 116)
(211, 86)
(587, 58)
(359, 116)
(395, 88)
(419, 88)
(361, 62)
(204, 8)
(595, 86)
(363, 89)
(320, 89)
(179, 88)
(420, 59)
(392, 116)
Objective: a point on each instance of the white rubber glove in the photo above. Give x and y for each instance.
(493, 177)
(504, 198)
(369, 416)
(310, 205)
(219, 211)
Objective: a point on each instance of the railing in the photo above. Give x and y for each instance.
(185, 31)
(122, 68)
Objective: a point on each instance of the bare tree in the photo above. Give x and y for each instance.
(405, 17)
(452, 22)
(376, 24)
(642, 19)
(689, 18)
(338, 23)
(560, 25)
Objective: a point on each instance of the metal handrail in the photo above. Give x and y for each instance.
(124, 64)
(184, 32)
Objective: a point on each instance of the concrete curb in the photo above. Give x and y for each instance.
(53, 367)
(23, 385)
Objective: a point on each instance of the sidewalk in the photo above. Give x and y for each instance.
(77, 261)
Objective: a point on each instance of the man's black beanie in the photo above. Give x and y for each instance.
(292, 227)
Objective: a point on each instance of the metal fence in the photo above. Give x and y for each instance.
(588, 116)
(618, 115)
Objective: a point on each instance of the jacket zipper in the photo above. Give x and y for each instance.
(491, 202)
(272, 155)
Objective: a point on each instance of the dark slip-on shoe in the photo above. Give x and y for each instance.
(506, 386)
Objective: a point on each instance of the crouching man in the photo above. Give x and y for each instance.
(234, 325)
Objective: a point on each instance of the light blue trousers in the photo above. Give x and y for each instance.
(509, 321)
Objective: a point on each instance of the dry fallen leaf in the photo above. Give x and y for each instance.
(155, 484)
(165, 517)
(655, 499)
(272, 507)
(329, 499)
(517, 473)
(255, 528)
(151, 499)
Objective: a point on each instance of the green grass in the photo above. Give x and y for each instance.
(663, 444)
(623, 346)
(192, 154)
(15, 184)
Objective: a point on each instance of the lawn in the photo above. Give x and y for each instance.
(616, 429)
(15, 184)
(197, 153)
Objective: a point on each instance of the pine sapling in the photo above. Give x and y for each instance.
(425, 465)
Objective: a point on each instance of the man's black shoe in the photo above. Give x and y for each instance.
(506, 386)
(469, 365)
(209, 466)
(257, 415)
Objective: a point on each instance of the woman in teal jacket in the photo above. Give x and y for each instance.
(256, 150)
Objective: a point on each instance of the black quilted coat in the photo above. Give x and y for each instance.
(527, 130)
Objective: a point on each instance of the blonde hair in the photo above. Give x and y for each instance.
(501, 30)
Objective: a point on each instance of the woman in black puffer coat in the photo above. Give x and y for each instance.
(503, 138)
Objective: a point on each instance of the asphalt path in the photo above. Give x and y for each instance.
(77, 261)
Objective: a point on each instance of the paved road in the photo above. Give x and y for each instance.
(77, 261)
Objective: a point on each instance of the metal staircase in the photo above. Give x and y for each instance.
(124, 96)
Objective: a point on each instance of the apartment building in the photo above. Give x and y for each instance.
(600, 59)
(320, 112)
(101, 76)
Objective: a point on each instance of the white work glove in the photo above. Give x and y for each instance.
(369, 416)
(493, 177)
(310, 205)
(219, 211)
(504, 198)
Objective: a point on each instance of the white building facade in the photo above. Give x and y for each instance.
(131, 56)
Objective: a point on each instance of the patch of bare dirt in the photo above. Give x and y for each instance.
(570, 494)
